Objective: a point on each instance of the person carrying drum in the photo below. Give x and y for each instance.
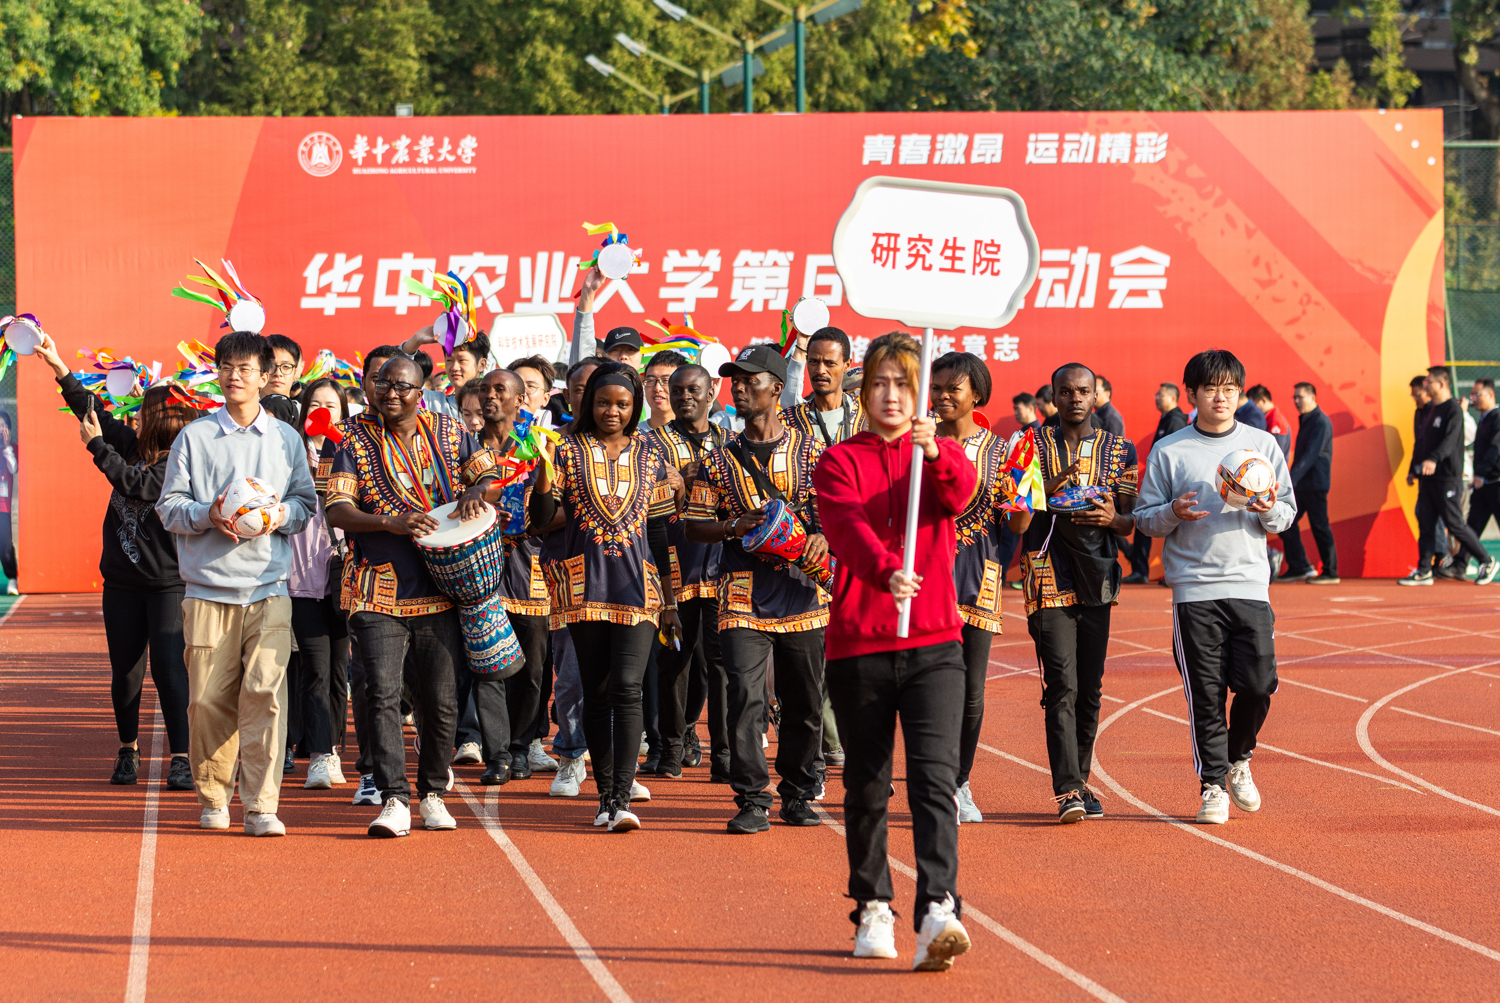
(616, 497)
(398, 461)
(766, 605)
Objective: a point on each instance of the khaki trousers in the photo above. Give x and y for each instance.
(236, 662)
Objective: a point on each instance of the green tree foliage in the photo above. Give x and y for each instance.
(1474, 24)
(92, 57)
(1390, 81)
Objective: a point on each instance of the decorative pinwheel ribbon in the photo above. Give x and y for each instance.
(7, 351)
(676, 338)
(615, 264)
(455, 325)
(329, 366)
(519, 458)
(242, 310)
(1021, 480)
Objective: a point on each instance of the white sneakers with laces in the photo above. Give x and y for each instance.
(624, 820)
(318, 776)
(1215, 810)
(336, 770)
(638, 792)
(214, 818)
(468, 752)
(537, 758)
(1242, 789)
(394, 820)
(435, 814)
(941, 939)
(368, 793)
(967, 810)
(876, 936)
(263, 824)
(569, 780)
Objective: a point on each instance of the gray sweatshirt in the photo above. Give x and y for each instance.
(1224, 555)
(207, 455)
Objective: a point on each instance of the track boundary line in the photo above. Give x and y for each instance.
(1195, 830)
(1362, 734)
(1444, 720)
(581, 948)
(145, 877)
(1309, 686)
(1014, 759)
(970, 911)
(13, 607)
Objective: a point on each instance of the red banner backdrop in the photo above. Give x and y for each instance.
(1309, 243)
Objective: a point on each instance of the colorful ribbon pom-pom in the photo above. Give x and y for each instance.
(242, 310)
(455, 325)
(1021, 480)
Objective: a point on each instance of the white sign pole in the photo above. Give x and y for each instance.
(914, 497)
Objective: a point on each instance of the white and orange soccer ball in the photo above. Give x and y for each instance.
(249, 506)
(1245, 477)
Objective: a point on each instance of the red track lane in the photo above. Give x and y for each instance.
(681, 911)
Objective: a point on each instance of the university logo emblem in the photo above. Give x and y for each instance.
(320, 154)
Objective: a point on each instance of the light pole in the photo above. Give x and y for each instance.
(609, 71)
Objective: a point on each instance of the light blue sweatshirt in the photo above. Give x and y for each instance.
(207, 456)
(1224, 555)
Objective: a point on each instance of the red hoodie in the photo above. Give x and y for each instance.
(862, 486)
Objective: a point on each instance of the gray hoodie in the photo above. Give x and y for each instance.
(207, 455)
(1224, 555)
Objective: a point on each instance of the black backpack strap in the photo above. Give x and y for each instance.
(758, 474)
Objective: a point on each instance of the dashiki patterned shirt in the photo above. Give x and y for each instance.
(1104, 460)
(804, 417)
(376, 472)
(695, 566)
(606, 571)
(757, 591)
(523, 589)
(976, 567)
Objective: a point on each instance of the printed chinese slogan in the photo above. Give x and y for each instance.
(1287, 237)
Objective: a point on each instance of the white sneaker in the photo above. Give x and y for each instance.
(967, 812)
(1242, 790)
(394, 820)
(765, 741)
(1215, 810)
(645, 746)
(263, 824)
(368, 793)
(214, 818)
(12, 588)
(639, 793)
(602, 816)
(941, 939)
(569, 779)
(876, 936)
(317, 775)
(624, 820)
(537, 758)
(434, 813)
(450, 779)
(468, 753)
(336, 770)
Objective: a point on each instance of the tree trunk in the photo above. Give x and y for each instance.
(1465, 63)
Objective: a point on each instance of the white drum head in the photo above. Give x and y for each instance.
(119, 382)
(22, 336)
(451, 532)
(713, 356)
(247, 315)
(810, 315)
(616, 261)
(440, 326)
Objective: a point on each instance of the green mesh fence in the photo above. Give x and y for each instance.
(1472, 266)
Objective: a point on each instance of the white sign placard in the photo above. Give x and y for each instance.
(518, 335)
(934, 254)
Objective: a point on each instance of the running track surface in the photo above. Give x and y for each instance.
(1368, 874)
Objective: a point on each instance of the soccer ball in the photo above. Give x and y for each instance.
(249, 506)
(1245, 477)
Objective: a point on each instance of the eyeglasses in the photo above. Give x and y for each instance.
(243, 372)
(1226, 392)
(386, 386)
(651, 382)
(284, 368)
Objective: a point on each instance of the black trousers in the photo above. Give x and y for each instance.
(1139, 553)
(1071, 644)
(1223, 646)
(541, 725)
(977, 642)
(322, 632)
(135, 623)
(507, 707)
(611, 666)
(924, 687)
(436, 646)
(1443, 499)
(675, 674)
(799, 691)
(1313, 504)
(360, 706)
(7, 547)
(1484, 504)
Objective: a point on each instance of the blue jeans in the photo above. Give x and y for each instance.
(567, 698)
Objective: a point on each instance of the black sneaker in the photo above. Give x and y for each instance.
(752, 818)
(496, 773)
(652, 761)
(127, 766)
(1452, 570)
(1487, 572)
(718, 778)
(1416, 578)
(1134, 578)
(1323, 578)
(1070, 807)
(796, 812)
(179, 775)
(289, 764)
(669, 769)
(520, 767)
(1091, 806)
(692, 753)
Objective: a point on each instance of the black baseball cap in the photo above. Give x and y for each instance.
(623, 336)
(757, 359)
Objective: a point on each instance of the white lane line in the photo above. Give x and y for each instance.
(1108, 697)
(145, 875)
(1362, 733)
(1027, 948)
(1197, 830)
(1014, 759)
(1487, 675)
(1295, 755)
(1007, 675)
(596, 968)
(12, 611)
(1310, 686)
(1443, 720)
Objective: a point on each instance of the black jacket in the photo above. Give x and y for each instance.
(1107, 418)
(138, 552)
(1173, 421)
(1313, 465)
(1442, 441)
(1487, 446)
(1250, 414)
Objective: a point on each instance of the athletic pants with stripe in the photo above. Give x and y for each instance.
(1225, 646)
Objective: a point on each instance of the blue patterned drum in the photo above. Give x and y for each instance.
(488, 639)
(466, 559)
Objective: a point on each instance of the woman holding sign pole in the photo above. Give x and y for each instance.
(875, 675)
